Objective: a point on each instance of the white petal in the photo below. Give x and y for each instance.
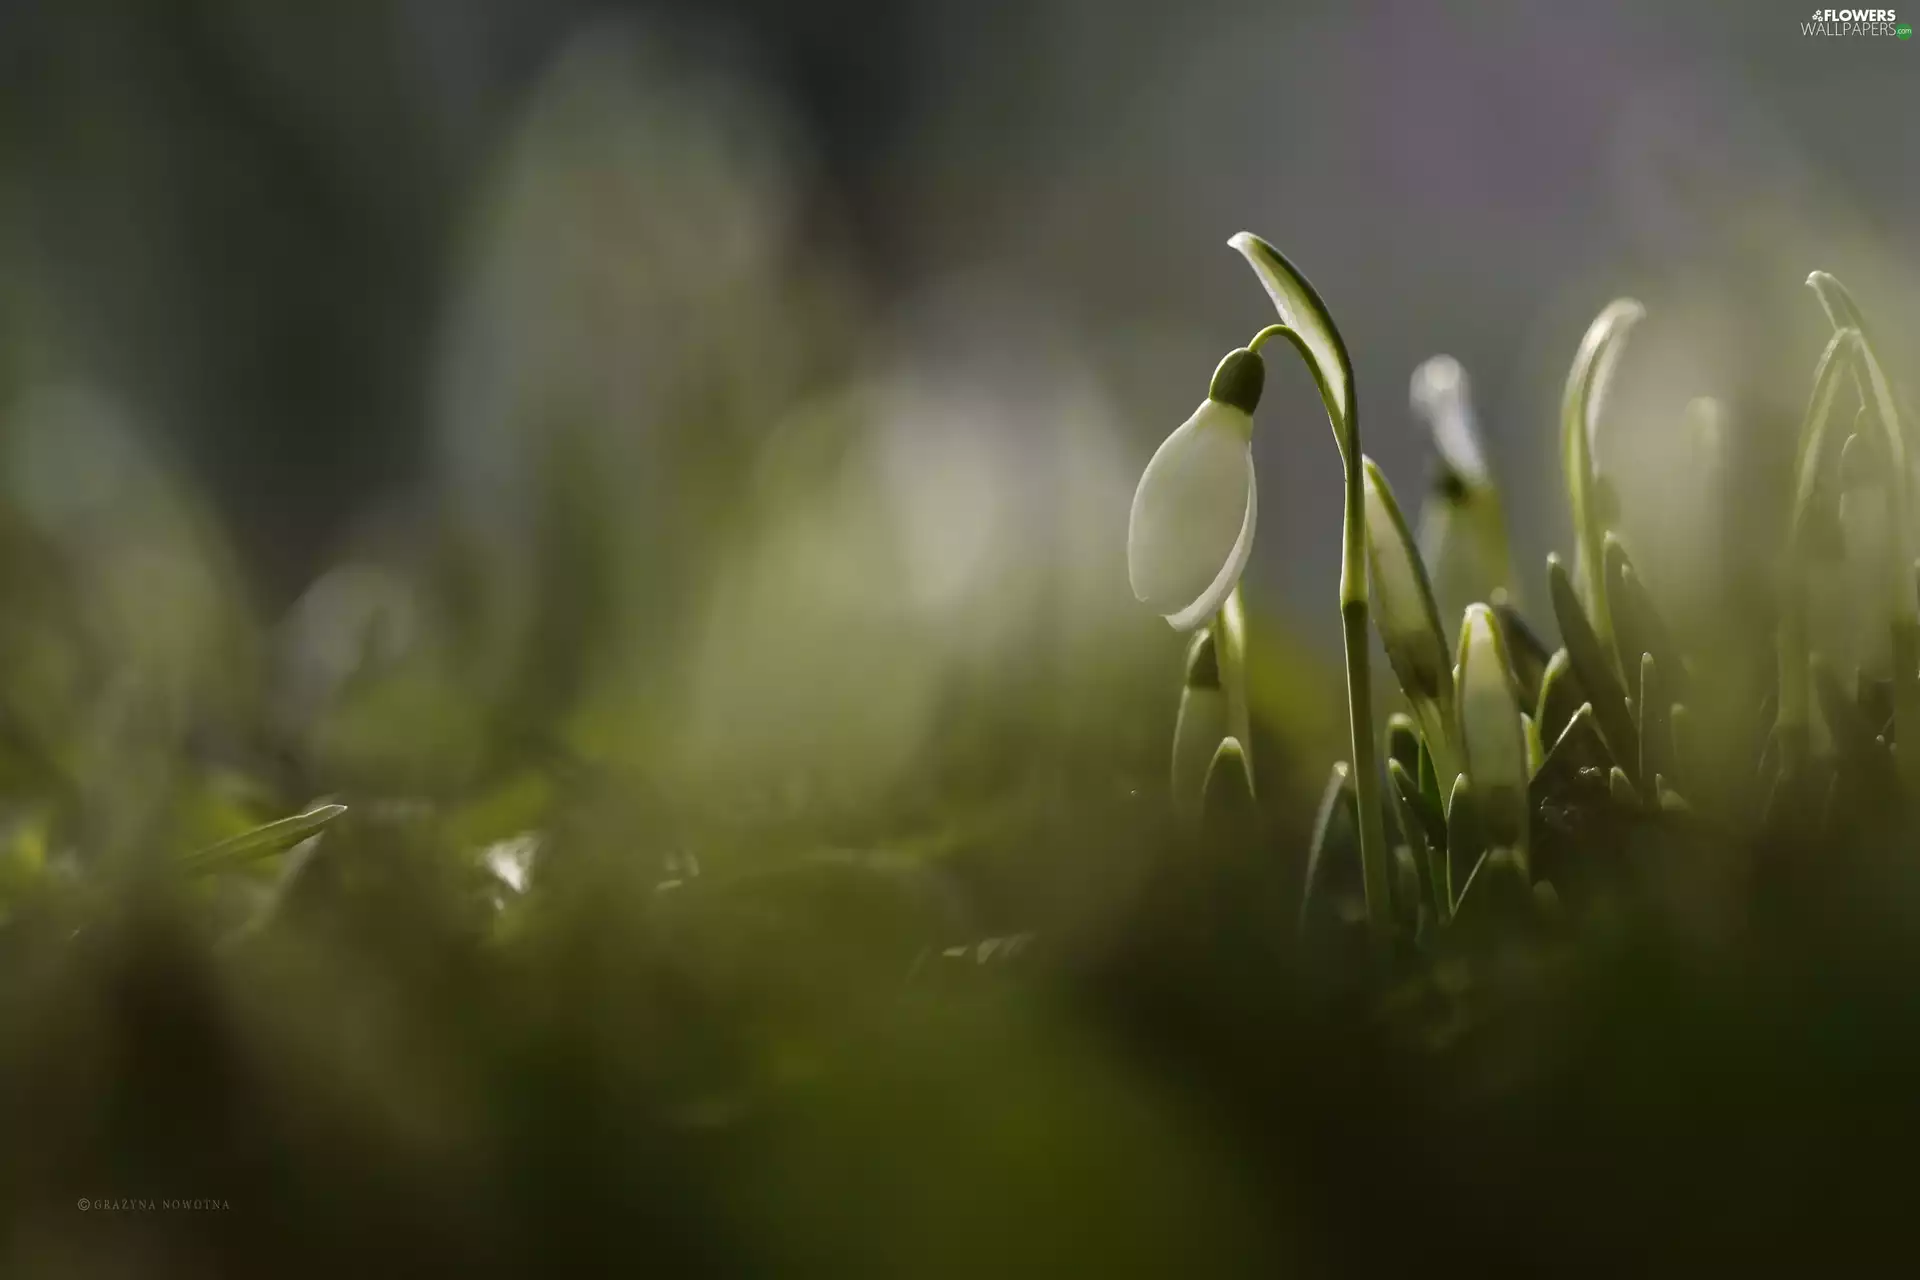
(1191, 529)
(1214, 598)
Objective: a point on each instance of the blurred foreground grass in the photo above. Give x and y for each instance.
(755, 856)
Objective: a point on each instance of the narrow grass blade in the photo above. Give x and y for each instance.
(261, 842)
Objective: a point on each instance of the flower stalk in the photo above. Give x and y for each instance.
(1306, 324)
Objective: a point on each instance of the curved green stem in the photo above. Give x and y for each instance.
(1376, 874)
(1260, 338)
(1325, 354)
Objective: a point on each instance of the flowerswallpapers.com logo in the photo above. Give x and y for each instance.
(1856, 22)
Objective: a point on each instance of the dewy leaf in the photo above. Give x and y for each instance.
(1310, 327)
(273, 837)
(1593, 667)
(1580, 407)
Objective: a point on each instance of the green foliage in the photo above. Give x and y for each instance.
(1621, 731)
(560, 964)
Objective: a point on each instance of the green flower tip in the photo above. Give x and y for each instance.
(1228, 790)
(1239, 380)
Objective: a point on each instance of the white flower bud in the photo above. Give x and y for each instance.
(1191, 529)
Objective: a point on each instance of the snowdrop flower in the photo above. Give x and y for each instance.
(1191, 530)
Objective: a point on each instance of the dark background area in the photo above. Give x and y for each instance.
(245, 217)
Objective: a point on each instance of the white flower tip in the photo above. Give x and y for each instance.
(1442, 396)
(1438, 380)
